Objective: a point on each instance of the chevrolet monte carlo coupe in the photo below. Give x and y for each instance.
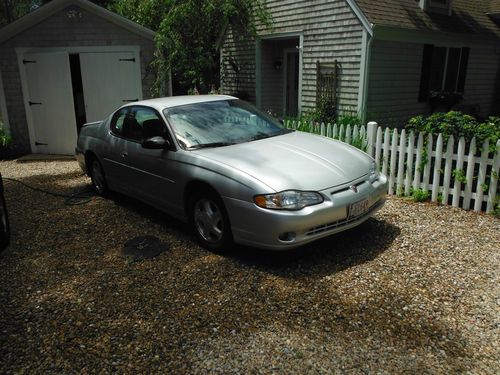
(231, 171)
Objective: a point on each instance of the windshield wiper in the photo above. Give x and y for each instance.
(213, 144)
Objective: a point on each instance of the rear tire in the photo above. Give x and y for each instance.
(98, 178)
(210, 222)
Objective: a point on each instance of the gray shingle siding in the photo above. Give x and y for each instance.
(60, 31)
(394, 82)
(330, 30)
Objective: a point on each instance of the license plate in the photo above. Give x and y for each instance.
(358, 208)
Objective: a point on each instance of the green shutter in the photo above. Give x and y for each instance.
(426, 72)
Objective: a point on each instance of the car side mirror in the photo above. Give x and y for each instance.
(156, 143)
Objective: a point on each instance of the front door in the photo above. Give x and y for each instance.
(292, 83)
(110, 80)
(50, 101)
(145, 173)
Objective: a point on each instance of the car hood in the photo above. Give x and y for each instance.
(295, 160)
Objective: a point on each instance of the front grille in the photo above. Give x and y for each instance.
(345, 187)
(340, 223)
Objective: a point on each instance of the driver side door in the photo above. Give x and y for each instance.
(151, 172)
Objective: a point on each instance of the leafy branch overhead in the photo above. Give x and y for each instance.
(190, 34)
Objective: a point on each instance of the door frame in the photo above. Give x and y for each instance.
(286, 52)
(258, 63)
(20, 51)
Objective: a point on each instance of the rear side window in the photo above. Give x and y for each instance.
(117, 121)
(138, 124)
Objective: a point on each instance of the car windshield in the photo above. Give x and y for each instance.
(220, 123)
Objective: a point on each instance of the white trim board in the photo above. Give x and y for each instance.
(70, 50)
(361, 16)
(364, 75)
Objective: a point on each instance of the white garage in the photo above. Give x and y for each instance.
(67, 63)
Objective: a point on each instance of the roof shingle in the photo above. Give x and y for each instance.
(468, 17)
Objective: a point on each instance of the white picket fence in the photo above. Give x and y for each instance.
(457, 174)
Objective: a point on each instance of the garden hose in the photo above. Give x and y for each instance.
(80, 197)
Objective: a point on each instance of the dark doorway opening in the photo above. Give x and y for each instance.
(292, 83)
(280, 76)
(76, 80)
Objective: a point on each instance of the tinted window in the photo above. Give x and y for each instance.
(117, 121)
(137, 123)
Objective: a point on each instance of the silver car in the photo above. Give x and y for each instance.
(231, 171)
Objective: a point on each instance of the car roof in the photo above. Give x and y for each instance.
(174, 101)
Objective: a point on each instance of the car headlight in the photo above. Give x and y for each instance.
(288, 200)
(374, 172)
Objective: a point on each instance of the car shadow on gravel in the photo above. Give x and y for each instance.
(323, 257)
(326, 256)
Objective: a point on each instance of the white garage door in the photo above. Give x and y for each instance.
(50, 100)
(110, 79)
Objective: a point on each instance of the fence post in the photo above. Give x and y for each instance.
(494, 179)
(371, 134)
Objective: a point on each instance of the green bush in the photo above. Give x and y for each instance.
(349, 119)
(5, 142)
(420, 195)
(5, 139)
(459, 125)
(323, 113)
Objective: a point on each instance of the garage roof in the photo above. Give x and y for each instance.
(55, 6)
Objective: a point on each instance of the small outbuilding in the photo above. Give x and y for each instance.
(67, 63)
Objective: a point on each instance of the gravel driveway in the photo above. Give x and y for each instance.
(414, 290)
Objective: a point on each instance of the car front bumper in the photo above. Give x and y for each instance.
(283, 230)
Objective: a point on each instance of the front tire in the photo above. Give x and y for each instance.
(210, 222)
(98, 178)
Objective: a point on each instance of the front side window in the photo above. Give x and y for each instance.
(443, 70)
(137, 124)
(220, 123)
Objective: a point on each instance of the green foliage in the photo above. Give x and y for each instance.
(459, 125)
(5, 139)
(190, 34)
(496, 209)
(347, 118)
(420, 195)
(459, 175)
(360, 142)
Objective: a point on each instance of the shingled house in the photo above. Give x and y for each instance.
(391, 58)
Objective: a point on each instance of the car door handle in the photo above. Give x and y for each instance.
(124, 154)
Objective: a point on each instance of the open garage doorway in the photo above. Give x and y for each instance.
(65, 88)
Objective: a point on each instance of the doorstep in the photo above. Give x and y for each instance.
(44, 157)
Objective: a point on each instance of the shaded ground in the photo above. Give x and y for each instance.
(413, 290)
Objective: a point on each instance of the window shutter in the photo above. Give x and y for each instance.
(464, 59)
(426, 73)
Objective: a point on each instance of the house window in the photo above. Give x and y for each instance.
(443, 69)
